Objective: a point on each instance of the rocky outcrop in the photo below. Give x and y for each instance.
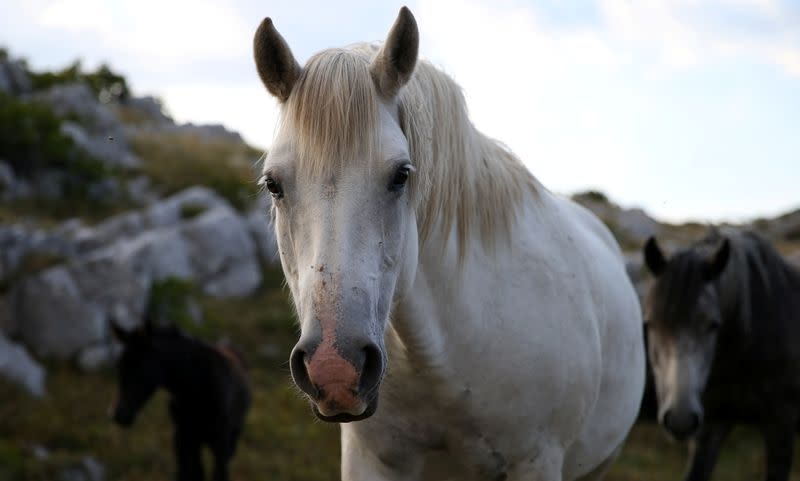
(17, 366)
(169, 212)
(64, 309)
(97, 130)
(260, 224)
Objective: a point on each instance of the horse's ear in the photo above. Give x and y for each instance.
(121, 334)
(716, 264)
(274, 61)
(396, 60)
(654, 257)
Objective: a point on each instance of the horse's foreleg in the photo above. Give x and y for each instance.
(779, 440)
(188, 456)
(704, 450)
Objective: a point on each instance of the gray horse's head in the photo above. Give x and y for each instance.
(683, 319)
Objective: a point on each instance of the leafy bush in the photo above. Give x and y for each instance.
(592, 195)
(190, 211)
(31, 139)
(104, 82)
(169, 301)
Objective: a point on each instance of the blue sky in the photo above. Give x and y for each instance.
(687, 108)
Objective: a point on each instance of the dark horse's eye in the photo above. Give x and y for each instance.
(713, 327)
(400, 177)
(273, 187)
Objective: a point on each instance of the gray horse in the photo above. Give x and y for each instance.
(723, 328)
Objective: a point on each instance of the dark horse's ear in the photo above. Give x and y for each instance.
(274, 61)
(654, 257)
(120, 333)
(716, 264)
(395, 63)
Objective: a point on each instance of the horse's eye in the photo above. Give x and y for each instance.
(400, 177)
(713, 326)
(273, 187)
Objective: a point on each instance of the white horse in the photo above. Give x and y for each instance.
(492, 319)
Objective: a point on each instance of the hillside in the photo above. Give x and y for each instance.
(111, 209)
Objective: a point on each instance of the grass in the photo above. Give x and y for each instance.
(282, 440)
(175, 161)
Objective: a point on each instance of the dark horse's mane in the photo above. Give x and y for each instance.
(756, 287)
(758, 284)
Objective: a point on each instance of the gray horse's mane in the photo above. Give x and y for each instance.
(756, 283)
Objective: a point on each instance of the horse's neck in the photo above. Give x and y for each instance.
(179, 365)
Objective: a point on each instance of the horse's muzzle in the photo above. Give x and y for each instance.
(342, 383)
(682, 424)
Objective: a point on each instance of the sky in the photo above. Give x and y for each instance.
(689, 109)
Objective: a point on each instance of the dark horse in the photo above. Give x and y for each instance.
(209, 392)
(723, 325)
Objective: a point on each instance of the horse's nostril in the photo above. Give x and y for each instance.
(372, 369)
(299, 371)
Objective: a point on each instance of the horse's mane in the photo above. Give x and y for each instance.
(756, 283)
(462, 177)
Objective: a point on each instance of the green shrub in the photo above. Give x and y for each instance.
(31, 139)
(169, 301)
(190, 211)
(592, 195)
(175, 161)
(104, 82)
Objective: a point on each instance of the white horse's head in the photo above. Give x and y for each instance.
(340, 173)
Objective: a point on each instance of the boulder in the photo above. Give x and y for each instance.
(636, 224)
(97, 130)
(166, 213)
(263, 232)
(18, 241)
(66, 308)
(87, 469)
(213, 250)
(98, 356)
(52, 317)
(17, 366)
(222, 253)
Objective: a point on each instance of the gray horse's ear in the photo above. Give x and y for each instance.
(716, 264)
(274, 61)
(121, 334)
(395, 62)
(654, 257)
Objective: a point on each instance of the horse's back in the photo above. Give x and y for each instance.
(621, 342)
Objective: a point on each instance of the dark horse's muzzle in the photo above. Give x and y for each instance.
(682, 423)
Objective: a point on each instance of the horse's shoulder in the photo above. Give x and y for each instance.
(587, 223)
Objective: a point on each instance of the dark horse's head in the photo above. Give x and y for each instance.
(138, 370)
(683, 318)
